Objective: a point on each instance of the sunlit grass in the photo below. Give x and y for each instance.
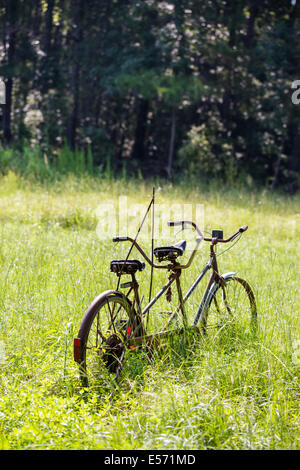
(221, 392)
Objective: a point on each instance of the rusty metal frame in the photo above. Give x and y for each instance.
(175, 277)
(176, 269)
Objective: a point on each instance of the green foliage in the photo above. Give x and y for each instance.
(108, 169)
(111, 76)
(196, 154)
(75, 162)
(89, 161)
(65, 159)
(33, 164)
(169, 88)
(30, 162)
(6, 160)
(197, 157)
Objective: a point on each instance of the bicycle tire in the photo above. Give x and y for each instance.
(104, 334)
(230, 303)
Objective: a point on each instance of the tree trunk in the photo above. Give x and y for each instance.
(251, 23)
(7, 135)
(138, 151)
(295, 156)
(276, 172)
(48, 27)
(73, 114)
(12, 9)
(77, 7)
(171, 145)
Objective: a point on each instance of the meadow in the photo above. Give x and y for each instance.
(222, 392)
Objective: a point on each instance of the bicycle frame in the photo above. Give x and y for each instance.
(176, 269)
(175, 277)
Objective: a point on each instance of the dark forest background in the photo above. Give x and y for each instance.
(152, 88)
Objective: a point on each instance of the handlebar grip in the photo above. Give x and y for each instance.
(175, 223)
(243, 228)
(120, 239)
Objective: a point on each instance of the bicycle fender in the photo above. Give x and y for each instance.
(94, 305)
(215, 285)
(206, 302)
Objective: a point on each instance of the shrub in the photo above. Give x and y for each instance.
(196, 154)
(198, 158)
(6, 160)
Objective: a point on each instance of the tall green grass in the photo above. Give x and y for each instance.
(223, 392)
(34, 164)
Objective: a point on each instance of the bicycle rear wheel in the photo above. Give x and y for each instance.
(233, 303)
(108, 325)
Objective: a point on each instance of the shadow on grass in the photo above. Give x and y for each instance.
(177, 352)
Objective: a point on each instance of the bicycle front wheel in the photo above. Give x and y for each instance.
(107, 327)
(233, 303)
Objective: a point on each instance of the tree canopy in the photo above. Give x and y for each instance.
(160, 86)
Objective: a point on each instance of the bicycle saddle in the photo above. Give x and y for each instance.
(170, 252)
(129, 266)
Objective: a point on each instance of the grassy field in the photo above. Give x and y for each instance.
(224, 392)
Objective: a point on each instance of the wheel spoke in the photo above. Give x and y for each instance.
(111, 318)
(106, 341)
(100, 334)
(232, 302)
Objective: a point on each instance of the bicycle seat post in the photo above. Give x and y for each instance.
(214, 241)
(135, 286)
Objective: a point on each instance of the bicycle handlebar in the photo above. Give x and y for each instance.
(242, 229)
(120, 239)
(173, 223)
